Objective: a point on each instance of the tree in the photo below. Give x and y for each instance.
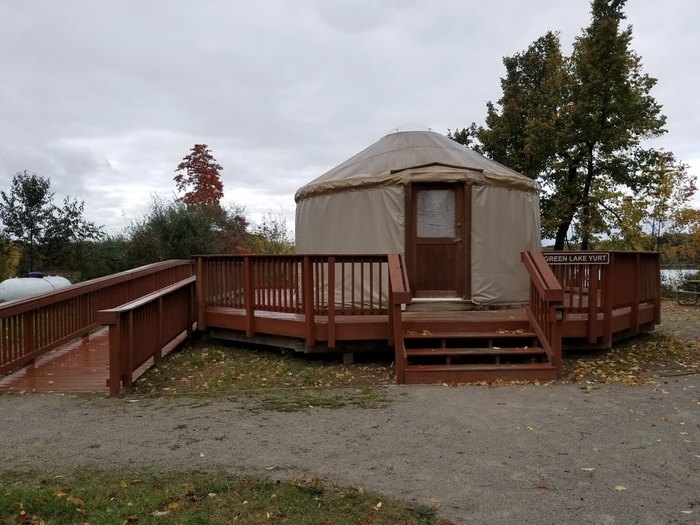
(26, 211)
(612, 109)
(640, 220)
(687, 227)
(198, 176)
(66, 237)
(47, 231)
(174, 230)
(576, 124)
(527, 134)
(467, 137)
(271, 236)
(9, 257)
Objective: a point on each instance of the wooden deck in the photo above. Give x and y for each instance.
(79, 366)
(342, 303)
(83, 365)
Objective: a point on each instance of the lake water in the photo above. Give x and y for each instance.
(671, 276)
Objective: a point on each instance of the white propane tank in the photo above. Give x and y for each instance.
(20, 287)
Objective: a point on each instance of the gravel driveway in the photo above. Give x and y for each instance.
(525, 454)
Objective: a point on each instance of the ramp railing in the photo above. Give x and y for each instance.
(147, 328)
(33, 326)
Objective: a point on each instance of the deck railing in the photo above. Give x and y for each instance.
(146, 328)
(310, 285)
(545, 311)
(33, 326)
(623, 280)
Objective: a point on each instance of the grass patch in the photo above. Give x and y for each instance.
(268, 378)
(640, 360)
(107, 498)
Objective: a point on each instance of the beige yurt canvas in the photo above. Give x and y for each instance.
(460, 219)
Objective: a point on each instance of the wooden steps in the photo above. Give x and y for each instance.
(458, 352)
(491, 352)
(451, 374)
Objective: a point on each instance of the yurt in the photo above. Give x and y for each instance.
(460, 219)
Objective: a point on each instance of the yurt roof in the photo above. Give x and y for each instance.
(405, 156)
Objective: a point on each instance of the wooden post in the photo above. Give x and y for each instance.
(128, 367)
(307, 298)
(555, 337)
(115, 366)
(608, 274)
(634, 320)
(331, 302)
(390, 316)
(593, 286)
(399, 349)
(201, 294)
(190, 309)
(249, 296)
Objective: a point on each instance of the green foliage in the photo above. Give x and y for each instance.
(271, 236)
(529, 131)
(26, 211)
(49, 234)
(9, 258)
(467, 137)
(174, 230)
(637, 220)
(687, 228)
(576, 125)
(104, 257)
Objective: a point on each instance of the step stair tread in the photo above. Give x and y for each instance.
(425, 334)
(478, 366)
(532, 350)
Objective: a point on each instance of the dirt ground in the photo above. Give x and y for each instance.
(680, 321)
(560, 453)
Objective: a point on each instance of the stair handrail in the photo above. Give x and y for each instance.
(399, 295)
(546, 310)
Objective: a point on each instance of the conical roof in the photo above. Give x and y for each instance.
(388, 160)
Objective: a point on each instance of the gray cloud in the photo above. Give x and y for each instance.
(107, 97)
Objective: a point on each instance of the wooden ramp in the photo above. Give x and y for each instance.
(79, 366)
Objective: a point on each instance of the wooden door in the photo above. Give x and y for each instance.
(437, 245)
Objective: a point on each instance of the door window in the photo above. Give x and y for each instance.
(435, 213)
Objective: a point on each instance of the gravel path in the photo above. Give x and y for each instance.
(525, 454)
(563, 453)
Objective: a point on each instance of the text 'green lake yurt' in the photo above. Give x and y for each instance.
(460, 219)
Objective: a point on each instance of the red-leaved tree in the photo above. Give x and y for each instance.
(198, 176)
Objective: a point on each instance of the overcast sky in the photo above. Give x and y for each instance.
(106, 97)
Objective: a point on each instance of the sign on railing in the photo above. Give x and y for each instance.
(577, 258)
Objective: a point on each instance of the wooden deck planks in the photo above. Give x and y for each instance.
(80, 366)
